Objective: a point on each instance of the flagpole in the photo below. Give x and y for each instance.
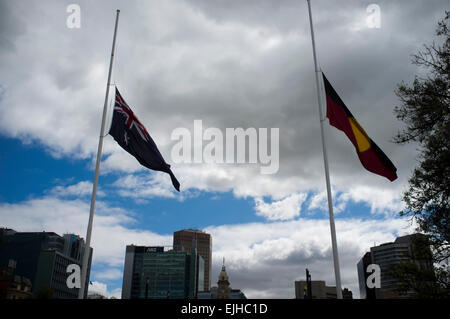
(97, 168)
(325, 161)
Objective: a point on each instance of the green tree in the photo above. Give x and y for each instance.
(425, 111)
(415, 273)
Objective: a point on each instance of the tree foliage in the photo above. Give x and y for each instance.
(425, 111)
(416, 275)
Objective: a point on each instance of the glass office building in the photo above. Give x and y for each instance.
(43, 257)
(151, 272)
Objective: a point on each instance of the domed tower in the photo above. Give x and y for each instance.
(223, 285)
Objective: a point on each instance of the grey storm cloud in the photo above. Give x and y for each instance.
(229, 63)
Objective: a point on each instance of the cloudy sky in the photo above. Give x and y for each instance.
(230, 64)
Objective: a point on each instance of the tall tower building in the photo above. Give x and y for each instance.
(186, 239)
(403, 250)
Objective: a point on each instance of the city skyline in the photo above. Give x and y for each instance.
(98, 290)
(243, 65)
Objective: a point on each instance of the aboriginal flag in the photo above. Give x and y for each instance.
(370, 155)
(132, 136)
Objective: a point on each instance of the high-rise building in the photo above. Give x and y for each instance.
(387, 256)
(364, 292)
(319, 290)
(73, 246)
(43, 257)
(151, 272)
(186, 239)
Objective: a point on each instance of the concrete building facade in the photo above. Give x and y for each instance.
(319, 290)
(186, 239)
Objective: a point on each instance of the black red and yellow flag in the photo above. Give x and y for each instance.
(370, 155)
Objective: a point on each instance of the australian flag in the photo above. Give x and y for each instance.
(134, 138)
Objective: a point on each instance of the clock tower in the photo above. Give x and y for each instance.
(223, 289)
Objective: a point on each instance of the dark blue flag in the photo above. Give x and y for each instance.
(134, 138)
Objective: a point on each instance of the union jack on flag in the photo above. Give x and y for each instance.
(131, 120)
(132, 136)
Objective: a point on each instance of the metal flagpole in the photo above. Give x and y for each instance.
(97, 167)
(325, 161)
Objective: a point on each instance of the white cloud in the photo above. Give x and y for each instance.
(154, 184)
(112, 227)
(284, 209)
(230, 67)
(263, 259)
(98, 287)
(319, 201)
(102, 289)
(81, 189)
(108, 274)
(380, 200)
